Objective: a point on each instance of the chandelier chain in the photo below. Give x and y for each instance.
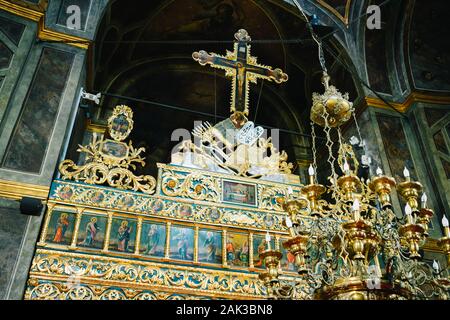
(314, 149)
(357, 127)
(331, 158)
(315, 38)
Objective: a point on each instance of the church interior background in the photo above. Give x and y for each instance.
(101, 199)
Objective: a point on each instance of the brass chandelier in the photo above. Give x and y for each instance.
(353, 246)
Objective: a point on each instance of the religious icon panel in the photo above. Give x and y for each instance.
(60, 229)
(92, 231)
(153, 239)
(239, 193)
(185, 211)
(157, 206)
(237, 249)
(182, 243)
(259, 246)
(123, 235)
(288, 259)
(210, 246)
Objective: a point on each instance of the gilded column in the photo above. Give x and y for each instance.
(167, 248)
(250, 250)
(224, 249)
(138, 236)
(73, 245)
(108, 232)
(196, 244)
(42, 241)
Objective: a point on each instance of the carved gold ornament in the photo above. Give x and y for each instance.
(109, 161)
(331, 108)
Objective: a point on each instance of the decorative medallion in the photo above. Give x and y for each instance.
(121, 123)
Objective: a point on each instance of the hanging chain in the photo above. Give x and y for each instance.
(357, 128)
(341, 152)
(331, 158)
(339, 137)
(315, 38)
(314, 149)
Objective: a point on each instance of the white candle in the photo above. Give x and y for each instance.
(379, 171)
(445, 225)
(290, 191)
(436, 266)
(355, 209)
(289, 225)
(408, 212)
(346, 168)
(312, 173)
(288, 222)
(424, 200)
(268, 240)
(406, 173)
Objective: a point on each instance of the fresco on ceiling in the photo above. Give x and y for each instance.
(429, 53)
(376, 61)
(396, 147)
(212, 20)
(434, 115)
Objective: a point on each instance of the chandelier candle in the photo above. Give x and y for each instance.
(446, 227)
(355, 209)
(311, 174)
(424, 200)
(444, 242)
(410, 190)
(268, 239)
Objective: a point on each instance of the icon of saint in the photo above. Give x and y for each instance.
(261, 249)
(123, 236)
(153, 237)
(91, 231)
(61, 228)
(230, 251)
(243, 256)
(182, 245)
(210, 245)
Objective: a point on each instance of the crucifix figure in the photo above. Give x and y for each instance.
(243, 69)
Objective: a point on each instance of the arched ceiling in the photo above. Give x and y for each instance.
(145, 52)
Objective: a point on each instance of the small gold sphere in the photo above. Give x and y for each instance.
(357, 296)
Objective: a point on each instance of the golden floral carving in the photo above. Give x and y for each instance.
(61, 267)
(109, 161)
(193, 185)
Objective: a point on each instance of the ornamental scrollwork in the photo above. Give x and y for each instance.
(193, 185)
(38, 290)
(111, 161)
(63, 266)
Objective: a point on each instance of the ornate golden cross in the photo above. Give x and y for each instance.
(242, 68)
